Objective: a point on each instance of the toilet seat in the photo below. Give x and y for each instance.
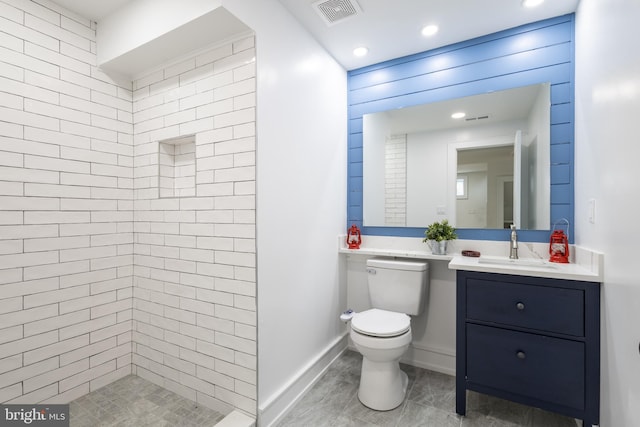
(380, 323)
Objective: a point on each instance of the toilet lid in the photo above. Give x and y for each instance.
(381, 323)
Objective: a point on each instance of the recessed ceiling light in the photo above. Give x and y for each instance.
(360, 51)
(458, 115)
(532, 3)
(429, 30)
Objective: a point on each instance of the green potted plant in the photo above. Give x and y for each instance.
(438, 234)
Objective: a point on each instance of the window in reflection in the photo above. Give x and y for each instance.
(461, 187)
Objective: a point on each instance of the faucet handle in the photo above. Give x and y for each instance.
(513, 227)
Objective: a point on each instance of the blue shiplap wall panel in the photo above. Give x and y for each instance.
(560, 73)
(560, 174)
(471, 51)
(357, 169)
(561, 133)
(534, 53)
(520, 62)
(560, 194)
(562, 113)
(562, 93)
(561, 153)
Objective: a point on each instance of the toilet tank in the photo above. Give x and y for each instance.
(398, 285)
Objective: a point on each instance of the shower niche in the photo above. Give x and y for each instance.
(177, 167)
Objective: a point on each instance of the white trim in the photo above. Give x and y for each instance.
(501, 181)
(274, 408)
(187, 55)
(434, 349)
(437, 359)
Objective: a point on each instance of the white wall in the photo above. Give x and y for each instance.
(374, 133)
(142, 21)
(69, 164)
(472, 212)
(426, 168)
(538, 127)
(426, 172)
(301, 196)
(67, 217)
(607, 107)
(66, 209)
(441, 144)
(194, 284)
(301, 191)
(434, 335)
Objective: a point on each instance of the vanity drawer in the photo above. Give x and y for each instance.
(543, 368)
(552, 309)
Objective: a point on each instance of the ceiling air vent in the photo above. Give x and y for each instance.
(335, 11)
(470, 119)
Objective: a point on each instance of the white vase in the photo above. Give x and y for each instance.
(438, 248)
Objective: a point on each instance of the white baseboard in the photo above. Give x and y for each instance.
(280, 403)
(428, 357)
(432, 358)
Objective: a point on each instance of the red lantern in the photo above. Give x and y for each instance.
(353, 237)
(559, 246)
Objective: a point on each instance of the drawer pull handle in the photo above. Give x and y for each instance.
(521, 355)
(520, 306)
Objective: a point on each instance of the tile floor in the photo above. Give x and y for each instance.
(332, 402)
(430, 402)
(134, 402)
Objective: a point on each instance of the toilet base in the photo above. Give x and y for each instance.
(383, 385)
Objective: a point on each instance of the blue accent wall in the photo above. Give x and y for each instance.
(533, 53)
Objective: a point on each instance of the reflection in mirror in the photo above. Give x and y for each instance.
(479, 167)
(487, 169)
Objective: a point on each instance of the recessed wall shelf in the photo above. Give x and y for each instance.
(177, 167)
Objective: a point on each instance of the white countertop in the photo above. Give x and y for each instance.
(585, 264)
(538, 268)
(402, 253)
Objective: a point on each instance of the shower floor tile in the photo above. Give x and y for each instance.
(135, 402)
(430, 402)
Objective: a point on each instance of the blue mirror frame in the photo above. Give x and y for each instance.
(534, 53)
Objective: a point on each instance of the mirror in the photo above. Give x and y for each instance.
(487, 169)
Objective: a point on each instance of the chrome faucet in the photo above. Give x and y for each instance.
(513, 243)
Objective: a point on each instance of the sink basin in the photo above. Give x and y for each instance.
(522, 262)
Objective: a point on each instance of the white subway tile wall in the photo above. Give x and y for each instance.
(99, 277)
(395, 180)
(66, 209)
(194, 286)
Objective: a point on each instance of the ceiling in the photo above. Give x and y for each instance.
(482, 109)
(389, 29)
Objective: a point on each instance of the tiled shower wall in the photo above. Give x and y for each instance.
(194, 263)
(79, 300)
(66, 209)
(395, 180)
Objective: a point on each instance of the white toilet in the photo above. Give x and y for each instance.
(382, 334)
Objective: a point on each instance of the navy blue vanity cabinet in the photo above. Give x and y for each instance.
(531, 340)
